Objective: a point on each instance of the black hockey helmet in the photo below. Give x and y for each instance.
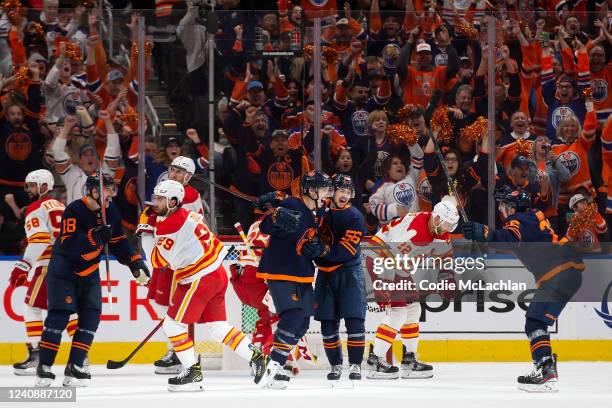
(315, 179)
(93, 181)
(519, 200)
(342, 181)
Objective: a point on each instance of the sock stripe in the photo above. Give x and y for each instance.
(539, 344)
(230, 335)
(47, 345)
(178, 337)
(182, 347)
(352, 343)
(35, 323)
(332, 345)
(237, 340)
(387, 339)
(282, 346)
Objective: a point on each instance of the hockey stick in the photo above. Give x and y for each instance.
(106, 257)
(113, 365)
(199, 177)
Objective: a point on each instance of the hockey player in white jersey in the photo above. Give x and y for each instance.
(414, 234)
(181, 170)
(194, 254)
(42, 224)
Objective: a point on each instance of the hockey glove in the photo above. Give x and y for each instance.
(286, 220)
(140, 272)
(102, 234)
(19, 275)
(269, 200)
(315, 248)
(474, 231)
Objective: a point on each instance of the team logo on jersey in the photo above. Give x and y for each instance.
(561, 113)
(72, 100)
(600, 89)
(404, 194)
(280, 175)
(318, 3)
(441, 59)
(359, 119)
(604, 311)
(424, 190)
(381, 156)
(571, 161)
(18, 146)
(587, 237)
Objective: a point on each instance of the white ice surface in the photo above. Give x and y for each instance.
(492, 385)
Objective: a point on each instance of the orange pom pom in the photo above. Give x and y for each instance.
(588, 92)
(330, 55)
(73, 52)
(524, 148)
(583, 221)
(21, 77)
(440, 122)
(308, 52)
(400, 134)
(129, 115)
(476, 130)
(467, 31)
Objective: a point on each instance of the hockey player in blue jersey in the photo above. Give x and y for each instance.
(286, 265)
(73, 278)
(557, 270)
(340, 287)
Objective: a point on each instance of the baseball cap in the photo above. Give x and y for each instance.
(576, 198)
(423, 47)
(342, 21)
(254, 84)
(519, 161)
(37, 57)
(114, 74)
(280, 133)
(171, 140)
(85, 148)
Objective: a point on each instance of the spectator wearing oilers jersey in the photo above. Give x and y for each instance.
(74, 175)
(397, 194)
(563, 97)
(586, 239)
(419, 82)
(601, 72)
(21, 142)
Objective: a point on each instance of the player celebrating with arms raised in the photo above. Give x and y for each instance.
(556, 269)
(287, 266)
(185, 244)
(340, 286)
(73, 278)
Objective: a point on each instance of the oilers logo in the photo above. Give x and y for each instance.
(600, 89)
(318, 3)
(441, 59)
(388, 60)
(424, 190)
(571, 161)
(71, 100)
(404, 194)
(359, 119)
(561, 113)
(587, 238)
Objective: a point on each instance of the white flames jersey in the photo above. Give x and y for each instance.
(184, 244)
(257, 240)
(43, 220)
(409, 235)
(192, 200)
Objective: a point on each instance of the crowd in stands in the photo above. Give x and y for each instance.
(404, 101)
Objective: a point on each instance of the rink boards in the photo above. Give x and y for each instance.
(454, 332)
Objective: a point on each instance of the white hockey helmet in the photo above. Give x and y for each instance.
(446, 209)
(576, 198)
(170, 189)
(184, 163)
(40, 177)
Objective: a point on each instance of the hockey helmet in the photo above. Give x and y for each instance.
(342, 181)
(40, 177)
(93, 181)
(315, 179)
(184, 163)
(171, 190)
(519, 200)
(446, 210)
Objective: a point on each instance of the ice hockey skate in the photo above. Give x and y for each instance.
(27, 366)
(413, 368)
(189, 380)
(168, 364)
(75, 376)
(542, 378)
(382, 370)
